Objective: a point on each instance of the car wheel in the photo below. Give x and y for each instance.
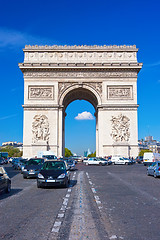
(8, 189)
(100, 164)
(24, 177)
(86, 163)
(155, 175)
(66, 184)
(148, 173)
(38, 185)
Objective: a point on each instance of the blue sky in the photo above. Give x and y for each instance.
(74, 23)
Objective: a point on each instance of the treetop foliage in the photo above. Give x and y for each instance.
(12, 152)
(68, 152)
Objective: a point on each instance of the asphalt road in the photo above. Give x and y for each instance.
(102, 202)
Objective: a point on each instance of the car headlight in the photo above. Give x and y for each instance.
(62, 175)
(24, 169)
(40, 175)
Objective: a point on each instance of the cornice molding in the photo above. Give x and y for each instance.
(25, 67)
(117, 107)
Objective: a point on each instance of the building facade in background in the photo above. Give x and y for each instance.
(106, 76)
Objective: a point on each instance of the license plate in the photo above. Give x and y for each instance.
(31, 173)
(50, 180)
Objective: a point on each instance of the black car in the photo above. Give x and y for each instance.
(5, 181)
(32, 167)
(53, 173)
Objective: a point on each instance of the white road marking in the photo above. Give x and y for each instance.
(65, 201)
(57, 224)
(93, 190)
(60, 215)
(67, 195)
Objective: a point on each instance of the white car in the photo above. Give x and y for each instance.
(96, 161)
(120, 160)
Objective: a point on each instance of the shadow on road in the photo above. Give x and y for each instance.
(10, 171)
(7, 195)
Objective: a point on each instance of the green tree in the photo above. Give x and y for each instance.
(12, 152)
(68, 152)
(92, 154)
(141, 153)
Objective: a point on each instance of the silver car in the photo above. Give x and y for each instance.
(154, 169)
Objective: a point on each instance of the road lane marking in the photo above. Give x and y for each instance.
(93, 190)
(61, 214)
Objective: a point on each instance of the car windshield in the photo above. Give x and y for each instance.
(23, 160)
(50, 156)
(70, 162)
(56, 165)
(34, 162)
(103, 159)
(121, 159)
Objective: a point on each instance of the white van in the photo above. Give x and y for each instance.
(46, 154)
(150, 157)
(119, 160)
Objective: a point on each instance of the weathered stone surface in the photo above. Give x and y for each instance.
(106, 76)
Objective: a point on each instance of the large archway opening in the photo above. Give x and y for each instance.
(80, 121)
(80, 127)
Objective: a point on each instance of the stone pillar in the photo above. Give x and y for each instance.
(60, 133)
(100, 132)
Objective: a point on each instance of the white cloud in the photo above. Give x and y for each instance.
(84, 116)
(12, 38)
(155, 64)
(9, 116)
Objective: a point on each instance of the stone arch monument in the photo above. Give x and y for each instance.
(106, 76)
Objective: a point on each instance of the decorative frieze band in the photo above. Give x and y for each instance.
(80, 74)
(119, 92)
(81, 56)
(41, 92)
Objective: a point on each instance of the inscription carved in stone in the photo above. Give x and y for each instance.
(40, 129)
(119, 92)
(41, 92)
(120, 128)
(73, 74)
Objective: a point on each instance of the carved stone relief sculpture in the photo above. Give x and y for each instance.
(119, 92)
(96, 85)
(120, 128)
(40, 129)
(41, 92)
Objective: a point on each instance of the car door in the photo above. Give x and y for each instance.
(96, 161)
(151, 169)
(2, 182)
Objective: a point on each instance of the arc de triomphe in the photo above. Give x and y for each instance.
(106, 76)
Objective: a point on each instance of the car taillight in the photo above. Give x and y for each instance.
(159, 169)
